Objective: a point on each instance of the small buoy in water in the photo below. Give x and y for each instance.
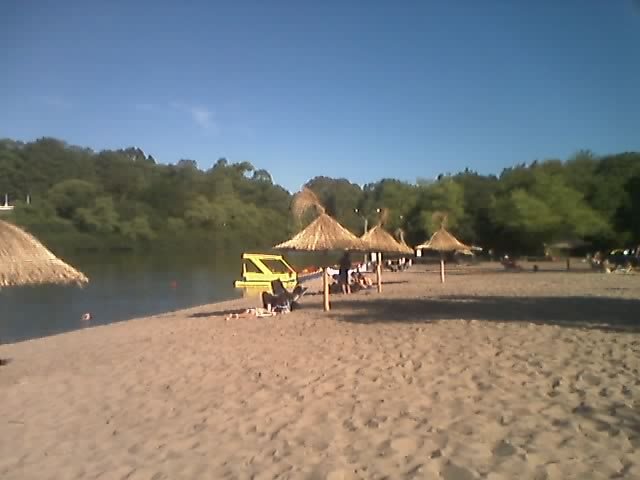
(174, 284)
(85, 317)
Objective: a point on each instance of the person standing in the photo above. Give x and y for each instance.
(343, 275)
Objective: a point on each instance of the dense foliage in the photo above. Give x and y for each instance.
(124, 199)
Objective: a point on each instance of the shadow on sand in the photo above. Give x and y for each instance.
(608, 314)
(524, 270)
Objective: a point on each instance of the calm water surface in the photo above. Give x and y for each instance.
(121, 287)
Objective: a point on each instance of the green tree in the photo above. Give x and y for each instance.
(122, 197)
(444, 196)
(137, 229)
(100, 218)
(550, 210)
(69, 195)
(397, 197)
(340, 198)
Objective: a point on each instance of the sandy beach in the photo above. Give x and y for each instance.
(492, 375)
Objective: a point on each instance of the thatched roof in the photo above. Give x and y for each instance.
(322, 235)
(443, 241)
(25, 261)
(400, 236)
(379, 240)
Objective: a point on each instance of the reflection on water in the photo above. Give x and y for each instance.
(121, 287)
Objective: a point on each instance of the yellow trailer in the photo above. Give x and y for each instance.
(260, 269)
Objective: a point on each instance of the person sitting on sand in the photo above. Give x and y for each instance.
(283, 302)
(366, 281)
(354, 284)
(360, 280)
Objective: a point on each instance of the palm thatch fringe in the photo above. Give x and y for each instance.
(25, 261)
(304, 200)
(379, 240)
(324, 234)
(401, 241)
(443, 241)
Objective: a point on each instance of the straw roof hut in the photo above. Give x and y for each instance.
(25, 261)
(380, 240)
(442, 241)
(401, 241)
(324, 234)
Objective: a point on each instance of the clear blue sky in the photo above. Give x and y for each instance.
(355, 89)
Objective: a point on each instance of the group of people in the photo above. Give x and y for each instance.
(346, 281)
(618, 261)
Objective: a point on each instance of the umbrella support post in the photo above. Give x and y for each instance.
(441, 269)
(379, 272)
(325, 284)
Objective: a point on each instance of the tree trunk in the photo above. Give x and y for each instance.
(441, 268)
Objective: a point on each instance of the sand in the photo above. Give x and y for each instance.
(493, 375)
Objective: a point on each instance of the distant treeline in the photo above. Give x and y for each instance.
(123, 199)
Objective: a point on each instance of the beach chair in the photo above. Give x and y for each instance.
(296, 294)
(281, 297)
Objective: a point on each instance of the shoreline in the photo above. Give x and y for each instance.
(310, 277)
(315, 278)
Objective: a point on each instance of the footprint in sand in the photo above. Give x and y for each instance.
(504, 449)
(349, 425)
(376, 422)
(455, 472)
(591, 379)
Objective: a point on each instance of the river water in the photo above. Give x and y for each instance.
(121, 287)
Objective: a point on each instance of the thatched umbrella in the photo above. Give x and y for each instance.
(400, 237)
(25, 261)
(401, 241)
(324, 234)
(379, 240)
(442, 241)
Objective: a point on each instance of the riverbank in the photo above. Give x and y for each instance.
(492, 375)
